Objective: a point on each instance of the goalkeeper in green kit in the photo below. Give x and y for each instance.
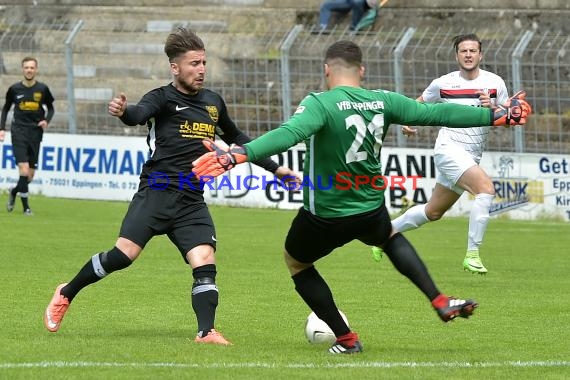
(343, 129)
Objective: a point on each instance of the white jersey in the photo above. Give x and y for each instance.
(453, 88)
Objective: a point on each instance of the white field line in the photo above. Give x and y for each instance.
(504, 364)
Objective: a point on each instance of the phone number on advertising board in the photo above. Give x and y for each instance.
(66, 182)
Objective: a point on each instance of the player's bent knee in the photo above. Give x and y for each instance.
(294, 265)
(128, 247)
(203, 254)
(434, 215)
(487, 188)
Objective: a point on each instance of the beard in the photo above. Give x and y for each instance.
(190, 88)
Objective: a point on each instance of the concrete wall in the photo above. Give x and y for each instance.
(311, 4)
(117, 48)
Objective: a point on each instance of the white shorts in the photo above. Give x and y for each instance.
(451, 161)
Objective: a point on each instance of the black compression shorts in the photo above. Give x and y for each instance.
(185, 221)
(311, 237)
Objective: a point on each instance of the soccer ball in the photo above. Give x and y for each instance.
(318, 332)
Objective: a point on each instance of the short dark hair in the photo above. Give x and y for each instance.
(28, 59)
(182, 41)
(465, 37)
(345, 50)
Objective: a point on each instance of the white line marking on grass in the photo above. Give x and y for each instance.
(63, 364)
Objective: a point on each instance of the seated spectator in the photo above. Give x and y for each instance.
(358, 8)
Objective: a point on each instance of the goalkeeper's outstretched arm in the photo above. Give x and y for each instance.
(219, 160)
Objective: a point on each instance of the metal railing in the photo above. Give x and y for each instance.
(264, 76)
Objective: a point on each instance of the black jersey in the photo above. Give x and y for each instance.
(28, 109)
(177, 124)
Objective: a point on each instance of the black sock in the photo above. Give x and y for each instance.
(22, 188)
(314, 290)
(24, 198)
(407, 262)
(205, 297)
(100, 265)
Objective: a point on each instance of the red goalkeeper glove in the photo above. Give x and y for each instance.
(217, 161)
(513, 112)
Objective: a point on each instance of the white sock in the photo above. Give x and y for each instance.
(411, 219)
(478, 220)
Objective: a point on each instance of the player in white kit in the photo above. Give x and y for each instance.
(457, 152)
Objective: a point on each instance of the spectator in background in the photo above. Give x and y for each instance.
(29, 98)
(357, 7)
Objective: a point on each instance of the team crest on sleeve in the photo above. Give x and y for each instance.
(213, 112)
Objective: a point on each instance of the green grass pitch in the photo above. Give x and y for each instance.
(138, 323)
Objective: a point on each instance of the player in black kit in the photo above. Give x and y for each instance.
(169, 200)
(28, 125)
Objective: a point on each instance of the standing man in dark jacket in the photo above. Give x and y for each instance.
(31, 99)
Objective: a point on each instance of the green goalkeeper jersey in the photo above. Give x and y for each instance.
(343, 129)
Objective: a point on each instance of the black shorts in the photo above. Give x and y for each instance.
(26, 148)
(311, 237)
(186, 221)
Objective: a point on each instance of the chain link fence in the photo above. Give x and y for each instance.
(263, 76)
